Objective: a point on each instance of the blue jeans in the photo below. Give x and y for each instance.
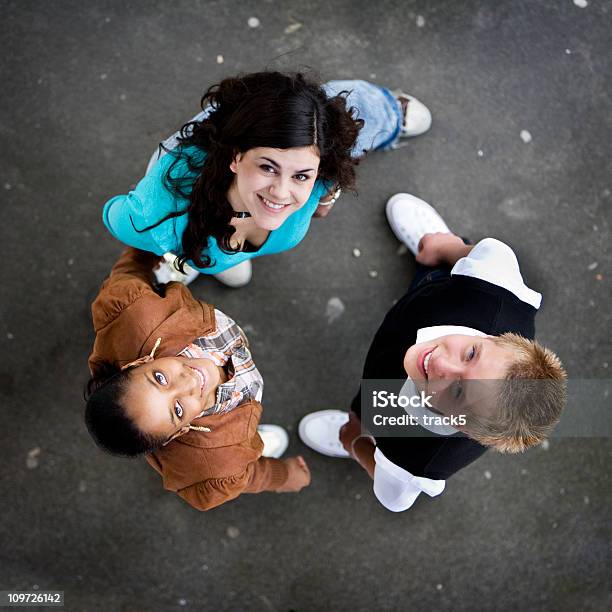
(380, 111)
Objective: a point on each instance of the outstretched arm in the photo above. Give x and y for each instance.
(267, 474)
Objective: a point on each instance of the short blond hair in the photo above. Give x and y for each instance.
(530, 400)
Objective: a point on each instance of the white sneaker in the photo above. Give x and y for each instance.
(411, 218)
(320, 431)
(236, 276)
(417, 117)
(275, 439)
(166, 272)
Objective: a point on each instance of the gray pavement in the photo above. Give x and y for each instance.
(89, 88)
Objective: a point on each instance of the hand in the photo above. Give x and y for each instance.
(322, 211)
(299, 475)
(441, 248)
(349, 431)
(326, 203)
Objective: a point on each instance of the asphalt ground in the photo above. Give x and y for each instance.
(90, 88)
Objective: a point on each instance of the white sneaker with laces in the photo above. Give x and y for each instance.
(411, 218)
(417, 117)
(275, 439)
(236, 276)
(320, 431)
(166, 272)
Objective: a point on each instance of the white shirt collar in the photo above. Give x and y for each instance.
(427, 334)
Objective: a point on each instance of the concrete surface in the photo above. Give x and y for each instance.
(89, 88)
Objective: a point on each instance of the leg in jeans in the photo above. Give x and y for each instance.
(380, 111)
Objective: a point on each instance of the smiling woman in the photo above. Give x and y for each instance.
(173, 378)
(272, 184)
(244, 180)
(166, 394)
(245, 176)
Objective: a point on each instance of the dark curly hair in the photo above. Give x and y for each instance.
(106, 419)
(263, 109)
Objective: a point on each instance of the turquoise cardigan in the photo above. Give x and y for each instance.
(150, 201)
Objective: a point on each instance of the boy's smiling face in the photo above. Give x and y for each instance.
(461, 372)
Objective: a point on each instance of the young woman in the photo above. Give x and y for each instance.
(173, 377)
(245, 176)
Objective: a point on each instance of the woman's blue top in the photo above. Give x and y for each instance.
(151, 201)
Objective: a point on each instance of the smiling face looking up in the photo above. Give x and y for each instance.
(272, 184)
(461, 372)
(166, 394)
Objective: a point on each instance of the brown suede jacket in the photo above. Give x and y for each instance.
(205, 468)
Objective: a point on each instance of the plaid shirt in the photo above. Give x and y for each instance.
(228, 346)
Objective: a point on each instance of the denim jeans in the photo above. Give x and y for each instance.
(380, 111)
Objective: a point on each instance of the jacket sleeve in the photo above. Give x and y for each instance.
(265, 474)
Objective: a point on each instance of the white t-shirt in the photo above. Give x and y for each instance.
(492, 261)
